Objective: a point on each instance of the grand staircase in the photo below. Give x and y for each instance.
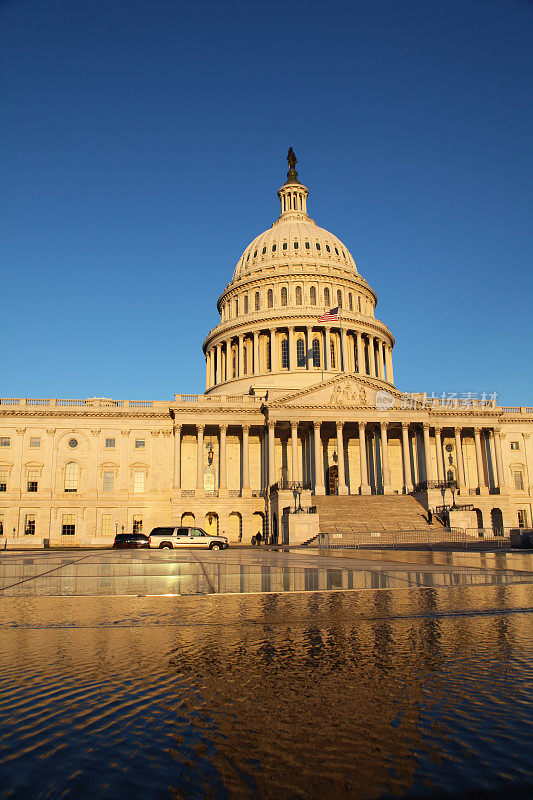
(339, 513)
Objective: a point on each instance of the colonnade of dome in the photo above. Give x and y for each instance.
(271, 333)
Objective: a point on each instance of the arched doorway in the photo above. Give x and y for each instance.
(332, 480)
(211, 523)
(479, 518)
(258, 523)
(274, 529)
(235, 527)
(187, 519)
(496, 518)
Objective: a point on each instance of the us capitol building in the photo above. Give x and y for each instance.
(300, 411)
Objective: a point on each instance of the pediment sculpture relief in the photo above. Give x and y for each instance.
(348, 394)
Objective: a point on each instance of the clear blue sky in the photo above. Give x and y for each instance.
(143, 142)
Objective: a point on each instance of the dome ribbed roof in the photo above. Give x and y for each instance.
(294, 239)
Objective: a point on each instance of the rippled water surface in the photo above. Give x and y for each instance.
(407, 693)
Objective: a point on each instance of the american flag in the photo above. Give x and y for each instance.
(330, 316)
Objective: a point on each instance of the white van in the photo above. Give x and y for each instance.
(186, 537)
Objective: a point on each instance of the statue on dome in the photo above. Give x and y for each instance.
(291, 159)
(292, 175)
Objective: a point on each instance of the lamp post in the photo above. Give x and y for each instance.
(453, 488)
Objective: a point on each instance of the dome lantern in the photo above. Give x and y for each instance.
(293, 195)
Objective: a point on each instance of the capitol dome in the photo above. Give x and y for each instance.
(271, 333)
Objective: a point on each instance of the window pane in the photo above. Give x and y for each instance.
(71, 477)
(29, 525)
(107, 527)
(137, 525)
(139, 443)
(284, 354)
(138, 481)
(332, 352)
(109, 480)
(35, 441)
(109, 442)
(300, 352)
(316, 353)
(298, 295)
(312, 295)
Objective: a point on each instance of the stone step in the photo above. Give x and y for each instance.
(373, 512)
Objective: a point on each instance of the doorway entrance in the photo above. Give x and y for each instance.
(332, 480)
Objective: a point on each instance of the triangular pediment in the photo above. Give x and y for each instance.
(342, 391)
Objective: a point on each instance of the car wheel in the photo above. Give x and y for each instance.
(164, 545)
(215, 547)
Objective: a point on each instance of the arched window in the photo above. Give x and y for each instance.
(339, 298)
(234, 364)
(300, 352)
(350, 301)
(307, 245)
(257, 301)
(71, 477)
(327, 299)
(270, 298)
(328, 248)
(298, 295)
(245, 360)
(332, 353)
(245, 303)
(312, 295)
(316, 353)
(296, 245)
(359, 304)
(236, 308)
(284, 296)
(317, 245)
(284, 245)
(355, 356)
(284, 354)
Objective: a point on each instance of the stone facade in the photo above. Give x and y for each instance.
(295, 405)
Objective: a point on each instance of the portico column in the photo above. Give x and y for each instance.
(327, 346)
(459, 458)
(207, 369)
(407, 485)
(319, 461)
(222, 473)
(256, 353)
(212, 367)
(365, 486)
(371, 357)
(390, 372)
(344, 353)
(271, 455)
(360, 355)
(343, 489)
(294, 451)
(176, 482)
(479, 463)
(385, 459)
(199, 460)
(427, 453)
(219, 377)
(227, 359)
(240, 365)
(246, 491)
(382, 359)
(273, 351)
(440, 459)
(499, 465)
(292, 359)
(309, 348)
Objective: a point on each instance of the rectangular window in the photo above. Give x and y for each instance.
(109, 442)
(137, 524)
(29, 525)
(35, 441)
(109, 480)
(3, 480)
(33, 478)
(518, 481)
(138, 481)
(5, 441)
(515, 446)
(68, 527)
(107, 526)
(139, 443)
(522, 518)
(1, 524)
